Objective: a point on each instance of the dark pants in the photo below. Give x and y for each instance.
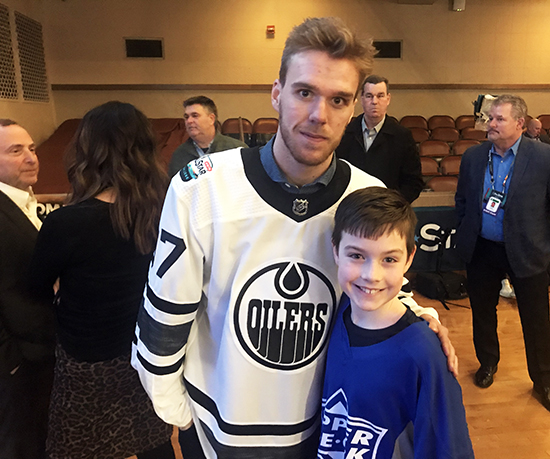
(24, 402)
(485, 272)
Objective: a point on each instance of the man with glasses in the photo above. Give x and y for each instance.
(380, 146)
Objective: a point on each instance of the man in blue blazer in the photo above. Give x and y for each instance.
(503, 208)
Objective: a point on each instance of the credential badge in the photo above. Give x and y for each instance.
(299, 207)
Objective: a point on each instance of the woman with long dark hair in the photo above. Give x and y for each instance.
(99, 247)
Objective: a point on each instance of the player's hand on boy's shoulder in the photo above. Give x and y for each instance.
(442, 333)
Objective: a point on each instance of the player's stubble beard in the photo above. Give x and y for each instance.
(293, 147)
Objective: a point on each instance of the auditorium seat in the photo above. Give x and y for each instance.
(411, 121)
(419, 134)
(52, 178)
(464, 121)
(430, 168)
(233, 127)
(170, 134)
(450, 165)
(545, 121)
(434, 148)
(446, 134)
(443, 183)
(263, 129)
(439, 121)
(473, 134)
(461, 145)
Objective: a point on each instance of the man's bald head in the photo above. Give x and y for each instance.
(534, 127)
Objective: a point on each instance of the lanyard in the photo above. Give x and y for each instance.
(491, 172)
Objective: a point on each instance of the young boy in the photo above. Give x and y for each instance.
(387, 391)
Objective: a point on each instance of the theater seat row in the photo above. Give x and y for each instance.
(447, 129)
(255, 134)
(441, 175)
(440, 148)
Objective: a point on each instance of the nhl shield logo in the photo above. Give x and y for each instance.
(344, 436)
(282, 315)
(299, 207)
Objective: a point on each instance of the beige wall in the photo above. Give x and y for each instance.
(224, 42)
(37, 117)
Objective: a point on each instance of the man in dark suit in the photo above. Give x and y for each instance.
(534, 131)
(26, 326)
(503, 207)
(379, 145)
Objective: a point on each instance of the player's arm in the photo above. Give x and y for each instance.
(431, 316)
(171, 299)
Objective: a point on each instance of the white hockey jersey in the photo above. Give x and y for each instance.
(237, 311)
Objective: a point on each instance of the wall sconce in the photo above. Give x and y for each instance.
(270, 31)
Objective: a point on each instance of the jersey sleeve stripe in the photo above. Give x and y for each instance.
(249, 429)
(295, 451)
(168, 306)
(161, 339)
(159, 371)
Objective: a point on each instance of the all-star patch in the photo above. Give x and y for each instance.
(196, 168)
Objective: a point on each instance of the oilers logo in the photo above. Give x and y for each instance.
(196, 168)
(345, 437)
(282, 315)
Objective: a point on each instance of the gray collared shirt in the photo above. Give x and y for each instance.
(278, 176)
(370, 134)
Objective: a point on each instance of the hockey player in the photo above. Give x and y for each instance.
(243, 287)
(387, 390)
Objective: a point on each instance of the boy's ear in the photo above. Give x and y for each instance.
(335, 253)
(410, 260)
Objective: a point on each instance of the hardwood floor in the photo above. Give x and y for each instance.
(505, 420)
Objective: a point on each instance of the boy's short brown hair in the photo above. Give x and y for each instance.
(372, 212)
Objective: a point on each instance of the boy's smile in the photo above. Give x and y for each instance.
(371, 273)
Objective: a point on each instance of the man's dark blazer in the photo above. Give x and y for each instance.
(527, 206)
(393, 156)
(26, 325)
(543, 137)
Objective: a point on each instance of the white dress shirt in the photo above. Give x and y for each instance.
(25, 200)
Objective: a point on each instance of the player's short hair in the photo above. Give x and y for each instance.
(206, 102)
(375, 79)
(519, 107)
(372, 212)
(333, 37)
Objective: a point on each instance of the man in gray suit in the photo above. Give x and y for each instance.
(201, 122)
(503, 207)
(26, 325)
